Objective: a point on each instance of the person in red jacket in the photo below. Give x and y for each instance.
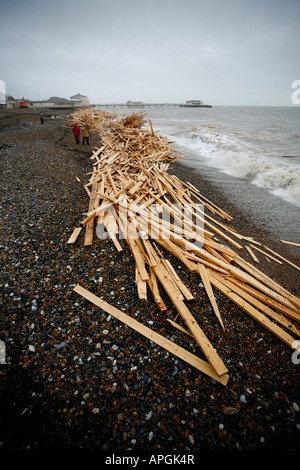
(76, 132)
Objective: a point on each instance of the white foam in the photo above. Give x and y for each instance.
(242, 160)
(281, 180)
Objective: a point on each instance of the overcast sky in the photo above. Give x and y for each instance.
(224, 52)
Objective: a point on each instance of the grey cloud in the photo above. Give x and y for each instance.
(224, 52)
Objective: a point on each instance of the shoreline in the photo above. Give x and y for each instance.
(268, 212)
(284, 274)
(77, 379)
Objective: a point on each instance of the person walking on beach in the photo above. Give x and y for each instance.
(85, 134)
(76, 132)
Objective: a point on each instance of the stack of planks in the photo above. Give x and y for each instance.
(133, 197)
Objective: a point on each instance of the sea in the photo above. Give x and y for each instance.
(250, 153)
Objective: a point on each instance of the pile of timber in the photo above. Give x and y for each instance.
(133, 197)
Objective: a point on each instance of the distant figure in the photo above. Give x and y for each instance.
(76, 132)
(42, 119)
(85, 134)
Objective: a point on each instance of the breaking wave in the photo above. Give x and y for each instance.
(243, 159)
(282, 181)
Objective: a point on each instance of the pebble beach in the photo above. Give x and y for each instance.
(75, 378)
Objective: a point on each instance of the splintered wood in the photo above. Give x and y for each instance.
(133, 199)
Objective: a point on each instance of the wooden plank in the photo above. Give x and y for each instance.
(272, 288)
(221, 211)
(87, 191)
(111, 181)
(152, 335)
(163, 240)
(179, 327)
(172, 283)
(152, 284)
(266, 254)
(141, 285)
(140, 261)
(209, 291)
(141, 246)
(145, 242)
(252, 254)
(256, 278)
(290, 243)
(123, 225)
(193, 326)
(223, 235)
(239, 289)
(95, 154)
(136, 187)
(74, 235)
(266, 300)
(250, 240)
(187, 294)
(178, 252)
(156, 293)
(260, 317)
(116, 242)
(112, 228)
(102, 185)
(203, 220)
(93, 213)
(284, 259)
(89, 231)
(116, 195)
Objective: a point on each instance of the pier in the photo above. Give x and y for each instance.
(141, 104)
(138, 105)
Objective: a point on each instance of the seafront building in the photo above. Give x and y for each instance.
(76, 101)
(82, 100)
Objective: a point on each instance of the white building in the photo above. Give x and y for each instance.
(76, 101)
(82, 99)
